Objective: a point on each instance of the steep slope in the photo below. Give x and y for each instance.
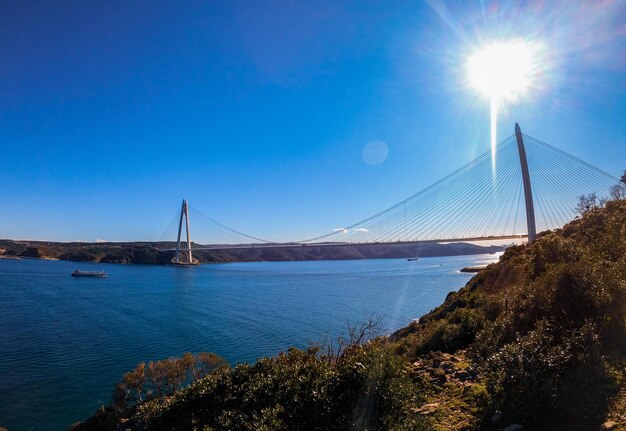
(545, 326)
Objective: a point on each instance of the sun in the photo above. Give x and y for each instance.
(502, 71)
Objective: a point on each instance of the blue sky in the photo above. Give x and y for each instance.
(259, 112)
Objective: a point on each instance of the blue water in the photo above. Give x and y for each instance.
(65, 341)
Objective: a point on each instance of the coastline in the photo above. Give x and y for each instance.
(145, 253)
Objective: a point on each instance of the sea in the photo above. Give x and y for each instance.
(65, 341)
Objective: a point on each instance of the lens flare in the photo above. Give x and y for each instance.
(501, 72)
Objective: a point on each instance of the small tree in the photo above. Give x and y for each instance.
(130, 391)
(204, 363)
(587, 203)
(356, 335)
(618, 192)
(163, 378)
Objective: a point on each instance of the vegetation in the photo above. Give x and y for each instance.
(538, 338)
(109, 252)
(546, 325)
(359, 386)
(146, 253)
(162, 378)
(618, 191)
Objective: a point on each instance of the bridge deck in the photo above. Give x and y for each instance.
(344, 244)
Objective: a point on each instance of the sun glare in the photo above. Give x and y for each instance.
(501, 72)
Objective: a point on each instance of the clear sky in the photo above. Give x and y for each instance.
(282, 119)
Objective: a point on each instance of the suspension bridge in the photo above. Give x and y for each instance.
(529, 187)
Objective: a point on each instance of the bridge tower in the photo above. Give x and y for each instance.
(184, 212)
(528, 193)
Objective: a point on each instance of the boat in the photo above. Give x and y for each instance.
(412, 259)
(97, 274)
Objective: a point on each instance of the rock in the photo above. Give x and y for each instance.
(446, 365)
(418, 369)
(428, 409)
(473, 268)
(514, 427)
(438, 375)
(454, 359)
(497, 417)
(463, 375)
(608, 426)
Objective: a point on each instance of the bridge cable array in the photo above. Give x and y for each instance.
(473, 202)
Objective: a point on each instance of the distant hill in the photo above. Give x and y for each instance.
(146, 253)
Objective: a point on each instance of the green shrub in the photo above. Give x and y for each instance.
(552, 249)
(549, 375)
(366, 389)
(163, 378)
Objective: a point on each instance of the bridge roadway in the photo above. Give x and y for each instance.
(341, 244)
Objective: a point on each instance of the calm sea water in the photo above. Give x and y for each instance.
(65, 342)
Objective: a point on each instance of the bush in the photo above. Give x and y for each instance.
(366, 389)
(457, 332)
(552, 250)
(163, 378)
(549, 376)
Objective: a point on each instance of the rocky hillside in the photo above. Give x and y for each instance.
(541, 334)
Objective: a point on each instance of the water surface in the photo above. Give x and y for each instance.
(66, 341)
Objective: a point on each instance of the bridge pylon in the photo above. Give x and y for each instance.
(184, 212)
(528, 193)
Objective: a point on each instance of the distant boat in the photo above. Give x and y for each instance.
(412, 259)
(182, 264)
(97, 274)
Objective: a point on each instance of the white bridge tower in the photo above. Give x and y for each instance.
(528, 193)
(187, 257)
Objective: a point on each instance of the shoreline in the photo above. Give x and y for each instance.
(146, 254)
(467, 269)
(473, 269)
